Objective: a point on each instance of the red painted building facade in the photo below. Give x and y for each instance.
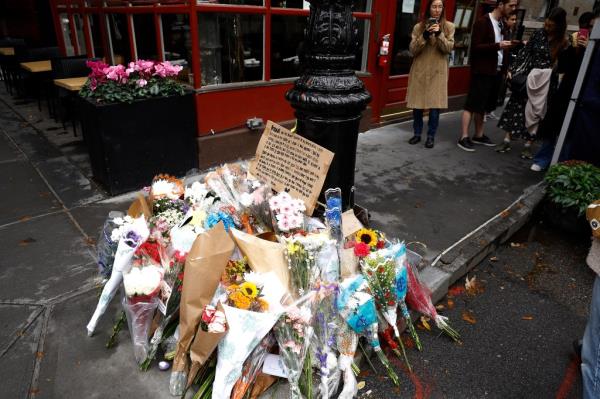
(240, 56)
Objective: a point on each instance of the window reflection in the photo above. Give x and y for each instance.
(463, 20)
(96, 32)
(177, 43)
(80, 36)
(359, 5)
(286, 44)
(66, 32)
(145, 36)
(231, 47)
(119, 38)
(407, 15)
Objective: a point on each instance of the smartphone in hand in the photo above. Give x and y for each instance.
(583, 32)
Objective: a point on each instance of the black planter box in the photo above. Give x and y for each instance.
(130, 143)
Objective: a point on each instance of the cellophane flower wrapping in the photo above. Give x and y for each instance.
(223, 181)
(253, 366)
(293, 333)
(246, 330)
(106, 246)
(333, 215)
(130, 235)
(288, 213)
(254, 199)
(357, 307)
(380, 273)
(302, 255)
(142, 286)
(419, 298)
(326, 323)
(347, 341)
(140, 312)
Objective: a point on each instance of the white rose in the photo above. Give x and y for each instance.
(246, 199)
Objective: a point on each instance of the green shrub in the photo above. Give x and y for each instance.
(573, 184)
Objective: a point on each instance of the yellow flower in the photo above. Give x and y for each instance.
(367, 236)
(292, 247)
(239, 300)
(249, 290)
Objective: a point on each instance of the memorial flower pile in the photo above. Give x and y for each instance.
(230, 280)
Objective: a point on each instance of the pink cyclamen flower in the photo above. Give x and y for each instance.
(142, 82)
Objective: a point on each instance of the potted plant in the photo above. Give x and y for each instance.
(571, 187)
(137, 121)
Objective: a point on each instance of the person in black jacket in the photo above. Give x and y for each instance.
(487, 67)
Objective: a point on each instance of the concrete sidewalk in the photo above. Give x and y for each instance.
(52, 211)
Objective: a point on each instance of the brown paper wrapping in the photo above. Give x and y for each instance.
(263, 256)
(140, 206)
(350, 224)
(262, 383)
(203, 346)
(204, 266)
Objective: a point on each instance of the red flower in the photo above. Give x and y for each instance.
(380, 244)
(387, 336)
(151, 250)
(361, 249)
(180, 256)
(381, 270)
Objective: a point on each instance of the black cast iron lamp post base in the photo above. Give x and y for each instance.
(329, 98)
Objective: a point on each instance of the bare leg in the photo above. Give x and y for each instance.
(478, 124)
(466, 122)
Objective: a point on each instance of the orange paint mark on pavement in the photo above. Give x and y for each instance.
(422, 390)
(569, 378)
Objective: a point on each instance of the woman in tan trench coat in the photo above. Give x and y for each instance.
(432, 41)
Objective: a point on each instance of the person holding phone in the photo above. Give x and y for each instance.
(432, 42)
(586, 23)
(488, 65)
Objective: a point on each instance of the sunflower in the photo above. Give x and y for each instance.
(367, 236)
(249, 290)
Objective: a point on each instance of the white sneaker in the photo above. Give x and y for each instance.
(536, 168)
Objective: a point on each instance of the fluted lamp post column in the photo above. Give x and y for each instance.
(329, 98)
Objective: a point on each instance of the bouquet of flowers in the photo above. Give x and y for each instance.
(347, 341)
(293, 333)
(142, 285)
(302, 255)
(326, 327)
(250, 317)
(288, 213)
(419, 298)
(254, 199)
(137, 80)
(366, 241)
(252, 367)
(106, 246)
(357, 307)
(130, 234)
(380, 274)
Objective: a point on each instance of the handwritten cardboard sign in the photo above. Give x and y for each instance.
(291, 163)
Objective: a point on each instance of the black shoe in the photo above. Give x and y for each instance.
(414, 140)
(429, 142)
(465, 144)
(483, 140)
